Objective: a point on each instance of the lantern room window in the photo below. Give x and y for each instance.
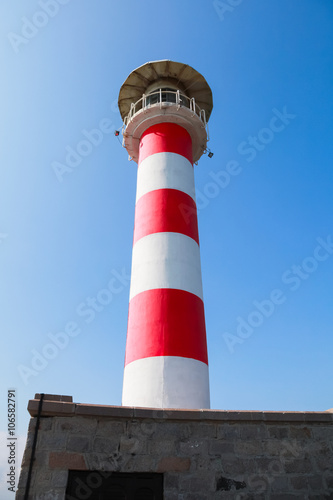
(166, 95)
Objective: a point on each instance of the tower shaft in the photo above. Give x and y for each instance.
(166, 363)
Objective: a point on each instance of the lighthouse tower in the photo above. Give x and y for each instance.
(165, 106)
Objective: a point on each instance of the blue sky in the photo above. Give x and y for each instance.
(63, 238)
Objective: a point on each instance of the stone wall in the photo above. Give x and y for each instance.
(203, 454)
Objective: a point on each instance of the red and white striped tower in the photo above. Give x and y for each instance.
(165, 106)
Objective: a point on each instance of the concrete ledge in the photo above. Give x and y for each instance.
(54, 405)
(55, 397)
(51, 408)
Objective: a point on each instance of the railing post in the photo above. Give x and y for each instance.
(178, 99)
(131, 110)
(203, 114)
(192, 106)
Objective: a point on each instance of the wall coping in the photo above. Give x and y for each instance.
(63, 406)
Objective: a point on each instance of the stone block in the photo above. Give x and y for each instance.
(64, 460)
(184, 482)
(206, 463)
(287, 496)
(322, 463)
(221, 447)
(300, 432)
(52, 441)
(106, 445)
(202, 430)
(139, 463)
(51, 494)
(265, 464)
(42, 476)
(298, 483)
(147, 428)
(59, 478)
(253, 431)
(225, 431)
(171, 481)
(41, 458)
(284, 449)
(174, 464)
(322, 432)
(202, 483)
(193, 447)
(195, 496)
(279, 484)
(42, 481)
(258, 484)
(235, 495)
(315, 482)
(162, 448)
(329, 483)
(278, 431)
(173, 495)
(76, 425)
(253, 447)
(318, 497)
(174, 431)
(45, 424)
(105, 462)
(234, 466)
(298, 466)
(109, 428)
(79, 443)
(132, 445)
(141, 429)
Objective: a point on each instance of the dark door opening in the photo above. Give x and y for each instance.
(99, 485)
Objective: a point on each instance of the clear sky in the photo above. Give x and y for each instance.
(265, 198)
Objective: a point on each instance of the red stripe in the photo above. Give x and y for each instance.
(165, 138)
(166, 322)
(166, 210)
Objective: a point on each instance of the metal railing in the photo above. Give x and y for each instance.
(162, 98)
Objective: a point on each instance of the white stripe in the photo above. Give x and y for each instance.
(166, 382)
(166, 260)
(163, 171)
